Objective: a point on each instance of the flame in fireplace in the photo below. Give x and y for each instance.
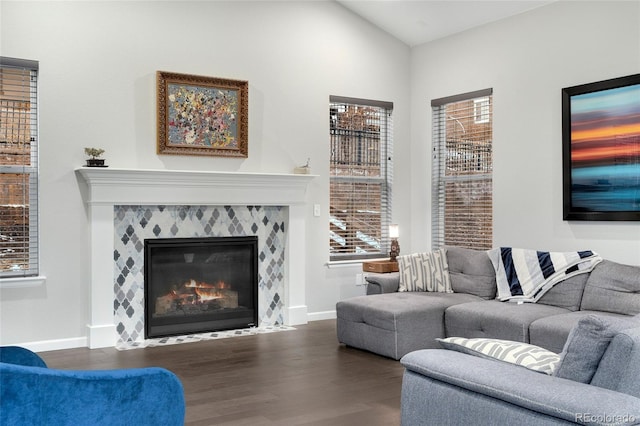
(200, 294)
(207, 292)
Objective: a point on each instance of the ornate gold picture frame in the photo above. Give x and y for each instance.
(199, 115)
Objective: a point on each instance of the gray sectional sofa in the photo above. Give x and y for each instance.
(392, 323)
(442, 387)
(597, 380)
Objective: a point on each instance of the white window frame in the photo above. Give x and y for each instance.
(30, 276)
(384, 180)
(478, 173)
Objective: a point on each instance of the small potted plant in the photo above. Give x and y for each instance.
(94, 153)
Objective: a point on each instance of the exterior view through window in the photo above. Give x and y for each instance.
(18, 168)
(360, 178)
(462, 207)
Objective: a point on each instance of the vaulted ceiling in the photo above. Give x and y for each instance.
(419, 21)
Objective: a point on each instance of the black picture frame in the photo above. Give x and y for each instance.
(601, 150)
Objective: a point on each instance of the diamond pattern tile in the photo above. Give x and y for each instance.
(133, 224)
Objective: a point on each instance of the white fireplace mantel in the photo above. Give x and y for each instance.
(136, 186)
(109, 187)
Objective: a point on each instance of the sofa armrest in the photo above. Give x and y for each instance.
(20, 356)
(382, 283)
(513, 389)
(43, 396)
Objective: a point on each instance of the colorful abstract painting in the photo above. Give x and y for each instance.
(605, 153)
(200, 115)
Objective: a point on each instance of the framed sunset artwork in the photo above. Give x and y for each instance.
(601, 150)
(202, 115)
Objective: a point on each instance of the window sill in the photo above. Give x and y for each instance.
(348, 263)
(22, 282)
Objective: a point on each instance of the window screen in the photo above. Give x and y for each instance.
(360, 178)
(18, 168)
(462, 207)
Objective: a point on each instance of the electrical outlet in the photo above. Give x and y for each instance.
(359, 279)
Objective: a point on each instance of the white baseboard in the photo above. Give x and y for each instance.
(54, 345)
(83, 342)
(319, 316)
(101, 336)
(295, 315)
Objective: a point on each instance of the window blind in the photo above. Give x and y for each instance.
(462, 182)
(360, 178)
(18, 168)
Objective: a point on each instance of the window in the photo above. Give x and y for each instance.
(360, 178)
(481, 110)
(18, 168)
(462, 204)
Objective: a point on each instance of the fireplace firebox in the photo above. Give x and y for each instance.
(194, 285)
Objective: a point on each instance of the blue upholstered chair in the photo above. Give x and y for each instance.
(32, 394)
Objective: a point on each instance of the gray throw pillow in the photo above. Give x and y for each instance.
(587, 343)
(619, 367)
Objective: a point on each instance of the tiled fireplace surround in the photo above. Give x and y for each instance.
(128, 205)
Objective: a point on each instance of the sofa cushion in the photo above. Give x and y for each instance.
(619, 367)
(552, 332)
(613, 287)
(495, 319)
(424, 272)
(394, 324)
(471, 272)
(387, 311)
(523, 354)
(587, 343)
(566, 294)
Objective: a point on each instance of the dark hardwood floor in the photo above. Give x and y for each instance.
(299, 377)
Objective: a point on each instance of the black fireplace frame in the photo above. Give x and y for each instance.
(151, 327)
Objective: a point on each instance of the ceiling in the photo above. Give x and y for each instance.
(419, 21)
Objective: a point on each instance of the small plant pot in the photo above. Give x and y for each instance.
(95, 162)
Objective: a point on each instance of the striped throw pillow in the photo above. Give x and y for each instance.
(523, 354)
(424, 272)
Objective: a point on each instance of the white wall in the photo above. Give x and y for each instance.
(97, 88)
(527, 60)
(97, 73)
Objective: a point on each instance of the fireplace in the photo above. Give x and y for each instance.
(144, 204)
(194, 285)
